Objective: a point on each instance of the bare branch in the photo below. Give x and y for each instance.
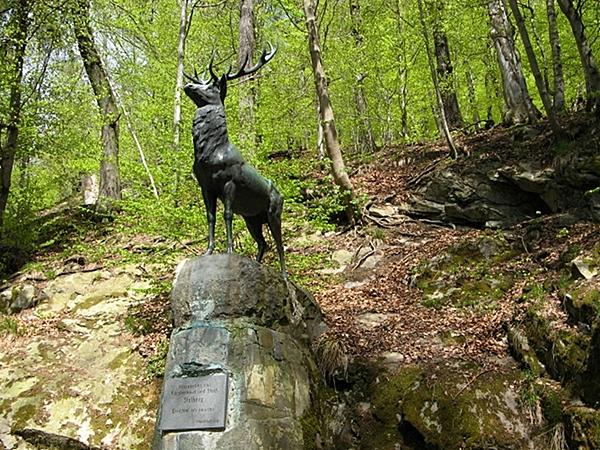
(292, 21)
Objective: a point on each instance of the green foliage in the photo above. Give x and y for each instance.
(528, 393)
(157, 361)
(534, 292)
(59, 138)
(11, 326)
(137, 325)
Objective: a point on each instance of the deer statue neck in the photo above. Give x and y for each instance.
(209, 129)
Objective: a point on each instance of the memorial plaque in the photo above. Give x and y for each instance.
(198, 403)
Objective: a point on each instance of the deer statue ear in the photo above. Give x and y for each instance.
(223, 88)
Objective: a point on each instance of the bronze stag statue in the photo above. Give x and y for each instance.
(221, 170)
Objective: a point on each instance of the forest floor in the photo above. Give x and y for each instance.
(389, 309)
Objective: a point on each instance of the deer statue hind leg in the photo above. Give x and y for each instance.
(274, 221)
(254, 225)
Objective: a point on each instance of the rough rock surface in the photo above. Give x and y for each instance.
(70, 374)
(491, 194)
(452, 405)
(236, 316)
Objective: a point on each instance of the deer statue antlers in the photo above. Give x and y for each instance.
(265, 57)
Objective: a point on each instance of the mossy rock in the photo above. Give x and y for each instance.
(582, 428)
(457, 405)
(78, 378)
(562, 351)
(582, 303)
(590, 383)
(466, 275)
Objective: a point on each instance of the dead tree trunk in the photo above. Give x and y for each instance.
(590, 69)
(445, 79)
(535, 69)
(247, 45)
(332, 143)
(439, 103)
(110, 181)
(17, 30)
(518, 107)
(557, 69)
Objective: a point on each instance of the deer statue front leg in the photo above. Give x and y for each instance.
(210, 203)
(228, 196)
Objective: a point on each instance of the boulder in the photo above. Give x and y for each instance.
(24, 298)
(451, 405)
(19, 297)
(580, 268)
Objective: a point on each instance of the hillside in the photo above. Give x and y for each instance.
(507, 312)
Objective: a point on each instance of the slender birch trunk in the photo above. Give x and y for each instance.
(246, 48)
(535, 69)
(472, 101)
(365, 132)
(332, 144)
(137, 142)
(439, 104)
(590, 69)
(183, 23)
(557, 69)
(402, 72)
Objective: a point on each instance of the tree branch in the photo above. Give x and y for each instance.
(292, 21)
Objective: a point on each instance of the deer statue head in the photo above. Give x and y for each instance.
(213, 91)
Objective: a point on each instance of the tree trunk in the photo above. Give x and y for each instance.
(320, 139)
(402, 71)
(472, 100)
(445, 80)
(18, 43)
(590, 69)
(365, 132)
(518, 107)
(110, 182)
(557, 69)
(441, 114)
(535, 69)
(247, 45)
(332, 144)
(183, 23)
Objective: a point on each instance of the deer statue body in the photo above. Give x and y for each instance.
(222, 172)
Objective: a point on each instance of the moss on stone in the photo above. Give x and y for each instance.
(465, 276)
(454, 406)
(582, 427)
(562, 351)
(310, 430)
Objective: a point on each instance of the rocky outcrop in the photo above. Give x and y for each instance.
(69, 376)
(492, 194)
(236, 317)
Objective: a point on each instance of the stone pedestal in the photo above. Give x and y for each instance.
(239, 318)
